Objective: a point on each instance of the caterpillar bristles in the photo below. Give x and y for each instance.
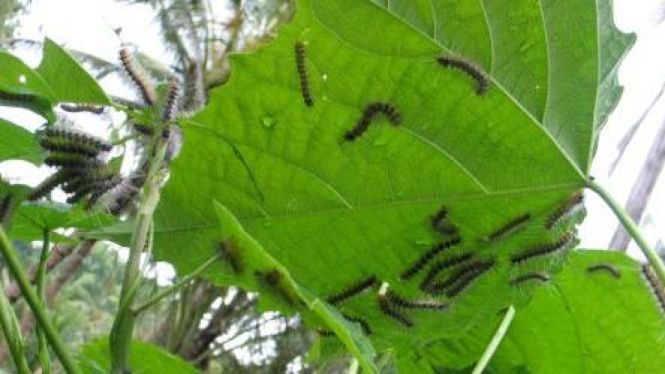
(440, 222)
(170, 107)
(77, 108)
(429, 256)
(570, 207)
(57, 135)
(370, 112)
(442, 265)
(122, 195)
(387, 308)
(509, 228)
(46, 186)
(468, 68)
(564, 242)
(71, 161)
(404, 303)
(655, 285)
(363, 324)
(138, 76)
(460, 279)
(232, 255)
(352, 290)
(301, 64)
(606, 267)
(543, 277)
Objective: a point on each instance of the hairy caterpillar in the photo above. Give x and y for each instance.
(72, 161)
(363, 324)
(564, 242)
(387, 307)
(77, 108)
(461, 278)
(543, 277)
(70, 137)
(370, 112)
(468, 68)
(655, 285)
(571, 206)
(325, 332)
(49, 184)
(440, 222)
(229, 250)
(122, 195)
(352, 290)
(404, 303)
(605, 266)
(442, 265)
(138, 76)
(509, 228)
(301, 64)
(275, 281)
(429, 256)
(143, 129)
(169, 108)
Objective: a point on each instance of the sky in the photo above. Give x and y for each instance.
(89, 26)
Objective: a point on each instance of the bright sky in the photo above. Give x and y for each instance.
(88, 26)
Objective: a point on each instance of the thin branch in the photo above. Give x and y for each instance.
(44, 358)
(496, 340)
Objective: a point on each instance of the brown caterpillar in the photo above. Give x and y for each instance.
(429, 256)
(386, 306)
(404, 303)
(440, 222)
(352, 291)
(138, 76)
(442, 265)
(560, 244)
(77, 108)
(468, 68)
(509, 228)
(543, 277)
(606, 267)
(569, 208)
(370, 112)
(274, 280)
(229, 250)
(363, 324)
(655, 285)
(169, 108)
(460, 279)
(301, 64)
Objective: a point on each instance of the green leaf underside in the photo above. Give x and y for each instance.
(332, 212)
(17, 143)
(144, 358)
(70, 82)
(580, 323)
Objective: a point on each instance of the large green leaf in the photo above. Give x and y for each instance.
(144, 358)
(22, 87)
(70, 82)
(332, 212)
(18, 143)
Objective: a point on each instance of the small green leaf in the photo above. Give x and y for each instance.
(69, 81)
(18, 78)
(17, 143)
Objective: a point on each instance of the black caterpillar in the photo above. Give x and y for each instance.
(572, 204)
(509, 228)
(169, 108)
(442, 265)
(468, 68)
(606, 267)
(389, 309)
(301, 64)
(363, 324)
(56, 136)
(77, 108)
(440, 222)
(429, 256)
(461, 279)
(560, 244)
(655, 285)
(229, 250)
(138, 76)
(543, 277)
(352, 291)
(370, 112)
(71, 161)
(404, 303)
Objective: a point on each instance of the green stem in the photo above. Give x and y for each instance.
(44, 358)
(631, 228)
(12, 334)
(123, 326)
(30, 296)
(157, 298)
(496, 340)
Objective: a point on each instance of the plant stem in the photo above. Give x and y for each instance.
(161, 295)
(496, 340)
(31, 298)
(12, 334)
(631, 228)
(123, 326)
(41, 287)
